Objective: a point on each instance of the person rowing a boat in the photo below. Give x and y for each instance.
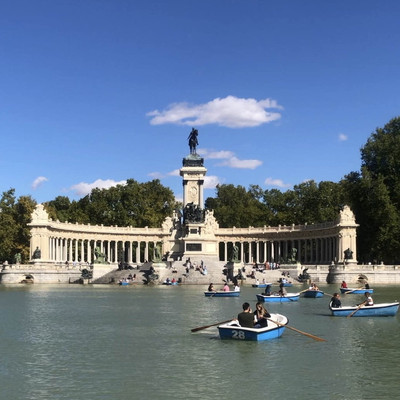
(282, 291)
(335, 301)
(211, 288)
(368, 299)
(246, 317)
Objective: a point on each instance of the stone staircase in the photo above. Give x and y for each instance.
(215, 275)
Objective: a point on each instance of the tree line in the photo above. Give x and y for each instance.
(373, 193)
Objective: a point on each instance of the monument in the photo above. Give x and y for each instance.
(197, 236)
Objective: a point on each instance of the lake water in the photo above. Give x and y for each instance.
(109, 342)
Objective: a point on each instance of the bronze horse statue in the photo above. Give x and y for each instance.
(193, 142)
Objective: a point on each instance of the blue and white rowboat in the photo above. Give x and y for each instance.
(274, 330)
(377, 310)
(261, 285)
(222, 294)
(356, 291)
(313, 293)
(276, 298)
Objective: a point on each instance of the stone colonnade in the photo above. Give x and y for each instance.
(309, 244)
(308, 251)
(63, 242)
(73, 250)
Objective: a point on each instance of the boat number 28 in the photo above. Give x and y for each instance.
(238, 335)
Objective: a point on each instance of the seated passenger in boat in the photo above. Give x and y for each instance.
(260, 316)
(267, 291)
(343, 285)
(226, 288)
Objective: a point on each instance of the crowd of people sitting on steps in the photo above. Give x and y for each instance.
(129, 279)
(202, 268)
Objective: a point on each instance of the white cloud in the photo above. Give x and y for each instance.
(234, 162)
(83, 188)
(179, 198)
(156, 175)
(230, 160)
(276, 183)
(38, 181)
(231, 112)
(175, 172)
(160, 175)
(215, 154)
(211, 181)
(342, 137)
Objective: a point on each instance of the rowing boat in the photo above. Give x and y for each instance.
(356, 291)
(313, 293)
(261, 285)
(377, 310)
(222, 294)
(232, 330)
(278, 298)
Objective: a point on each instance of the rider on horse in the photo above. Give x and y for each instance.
(193, 142)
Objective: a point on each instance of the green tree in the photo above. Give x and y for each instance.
(381, 157)
(234, 206)
(14, 232)
(8, 227)
(378, 217)
(374, 195)
(23, 215)
(59, 208)
(133, 204)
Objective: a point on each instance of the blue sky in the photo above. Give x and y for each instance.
(93, 92)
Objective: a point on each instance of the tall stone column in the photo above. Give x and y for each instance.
(257, 251)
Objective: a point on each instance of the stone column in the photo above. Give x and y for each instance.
(89, 252)
(146, 251)
(138, 252)
(257, 251)
(272, 251)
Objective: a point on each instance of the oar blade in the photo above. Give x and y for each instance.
(299, 331)
(200, 328)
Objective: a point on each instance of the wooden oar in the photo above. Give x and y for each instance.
(350, 315)
(297, 330)
(200, 328)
